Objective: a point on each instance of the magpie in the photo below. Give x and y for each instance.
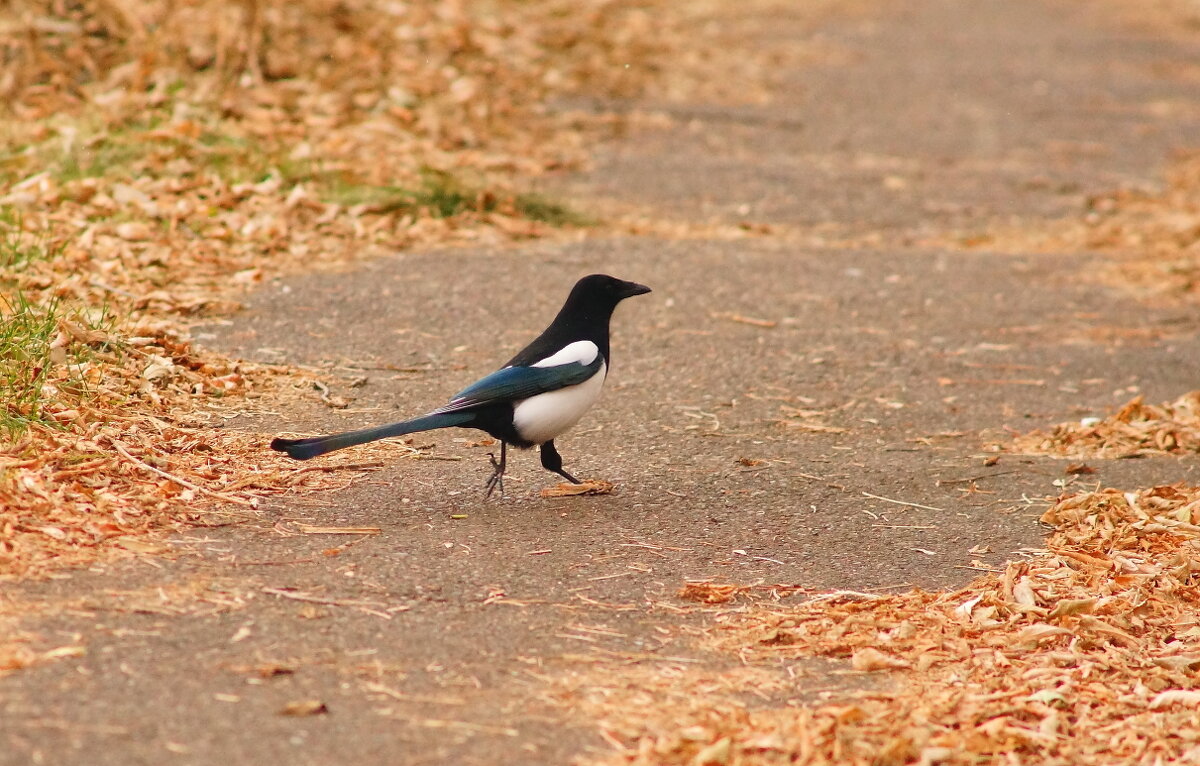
(537, 395)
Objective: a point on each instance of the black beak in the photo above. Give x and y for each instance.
(633, 288)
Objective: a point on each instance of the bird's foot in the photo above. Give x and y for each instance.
(497, 477)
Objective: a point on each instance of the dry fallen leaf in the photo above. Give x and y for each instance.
(872, 659)
(716, 754)
(586, 487)
(751, 462)
(709, 593)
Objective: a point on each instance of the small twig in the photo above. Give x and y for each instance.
(314, 530)
(639, 656)
(378, 688)
(347, 467)
(812, 476)
(611, 739)
(903, 502)
(764, 558)
(394, 368)
(849, 595)
(311, 599)
(890, 587)
(180, 481)
(970, 479)
(742, 319)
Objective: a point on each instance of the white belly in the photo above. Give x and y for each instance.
(543, 417)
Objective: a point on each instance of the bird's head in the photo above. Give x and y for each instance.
(603, 289)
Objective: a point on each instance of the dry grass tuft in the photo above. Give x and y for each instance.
(1083, 655)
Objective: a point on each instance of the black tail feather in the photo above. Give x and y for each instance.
(305, 449)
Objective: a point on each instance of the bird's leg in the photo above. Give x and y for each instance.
(552, 461)
(497, 477)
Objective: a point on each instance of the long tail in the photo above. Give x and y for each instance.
(303, 449)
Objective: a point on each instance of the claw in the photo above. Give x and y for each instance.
(495, 480)
(497, 477)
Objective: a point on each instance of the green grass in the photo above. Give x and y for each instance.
(535, 207)
(106, 155)
(132, 148)
(18, 248)
(147, 146)
(26, 332)
(27, 358)
(444, 196)
(28, 329)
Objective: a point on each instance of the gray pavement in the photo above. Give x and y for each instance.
(445, 629)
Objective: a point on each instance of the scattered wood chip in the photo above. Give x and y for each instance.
(586, 487)
(974, 673)
(1134, 430)
(816, 428)
(273, 670)
(709, 593)
(870, 659)
(301, 708)
(1188, 697)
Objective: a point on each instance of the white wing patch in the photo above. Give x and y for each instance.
(582, 351)
(543, 417)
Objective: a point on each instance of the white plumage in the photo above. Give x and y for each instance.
(582, 351)
(543, 417)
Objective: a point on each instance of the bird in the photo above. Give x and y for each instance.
(535, 397)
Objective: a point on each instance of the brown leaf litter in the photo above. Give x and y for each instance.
(1153, 232)
(1084, 654)
(1134, 430)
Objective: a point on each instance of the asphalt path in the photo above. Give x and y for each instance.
(777, 410)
